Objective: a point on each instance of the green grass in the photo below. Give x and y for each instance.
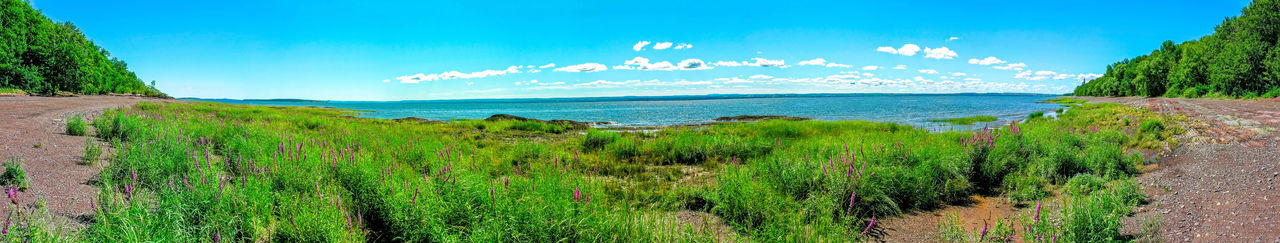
(11, 91)
(1066, 100)
(76, 126)
(14, 175)
(967, 120)
(91, 152)
(199, 171)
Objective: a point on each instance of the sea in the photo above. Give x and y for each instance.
(918, 110)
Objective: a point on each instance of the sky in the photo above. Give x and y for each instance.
(430, 50)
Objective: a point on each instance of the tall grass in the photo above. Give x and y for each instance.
(211, 172)
(76, 126)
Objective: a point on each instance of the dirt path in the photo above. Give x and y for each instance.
(1221, 185)
(34, 129)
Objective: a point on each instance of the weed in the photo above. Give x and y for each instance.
(13, 175)
(76, 126)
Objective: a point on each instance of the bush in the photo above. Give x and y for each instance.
(91, 152)
(1151, 126)
(13, 174)
(1034, 115)
(596, 139)
(76, 126)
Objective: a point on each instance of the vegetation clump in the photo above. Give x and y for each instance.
(13, 175)
(76, 126)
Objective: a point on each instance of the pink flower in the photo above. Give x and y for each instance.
(1037, 217)
(873, 223)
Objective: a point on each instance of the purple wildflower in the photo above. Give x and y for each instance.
(873, 223)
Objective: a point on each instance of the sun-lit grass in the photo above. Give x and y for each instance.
(1067, 100)
(207, 172)
(967, 120)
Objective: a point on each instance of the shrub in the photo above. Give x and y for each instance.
(596, 139)
(13, 174)
(1151, 126)
(76, 126)
(91, 152)
(1034, 115)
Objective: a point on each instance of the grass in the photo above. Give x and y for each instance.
(208, 172)
(12, 91)
(91, 152)
(14, 175)
(967, 120)
(76, 126)
(1066, 100)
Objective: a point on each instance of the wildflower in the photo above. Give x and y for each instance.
(984, 229)
(492, 197)
(873, 223)
(1037, 217)
(577, 194)
(853, 197)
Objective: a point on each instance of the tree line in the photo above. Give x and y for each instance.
(40, 56)
(1240, 59)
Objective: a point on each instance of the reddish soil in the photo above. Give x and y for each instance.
(923, 226)
(1221, 184)
(34, 129)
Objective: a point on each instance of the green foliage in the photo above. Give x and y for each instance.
(193, 172)
(1151, 126)
(1240, 59)
(13, 174)
(1095, 216)
(967, 120)
(91, 152)
(43, 57)
(1036, 115)
(596, 139)
(1066, 100)
(76, 126)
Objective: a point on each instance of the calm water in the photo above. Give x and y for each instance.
(912, 109)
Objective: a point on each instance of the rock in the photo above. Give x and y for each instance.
(760, 118)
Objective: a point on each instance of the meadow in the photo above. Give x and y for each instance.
(210, 172)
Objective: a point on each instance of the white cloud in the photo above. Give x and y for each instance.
(534, 82)
(929, 71)
(900, 67)
(585, 67)
(683, 46)
(549, 65)
(986, 61)
(603, 82)
(1045, 73)
(1063, 76)
(760, 76)
(821, 62)
(640, 45)
(1015, 66)
(814, 62)
(939, 53)
(869, 68)
(728, 63)
(662, 45)
(386, 80)
(413, 79)
(953, 38)
(761, 62)
(972, 79)
(958, 74)
(641, 63)
(1088, 76)
(693, 64)
(905, 50)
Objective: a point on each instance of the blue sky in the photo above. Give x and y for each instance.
(422, 50)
